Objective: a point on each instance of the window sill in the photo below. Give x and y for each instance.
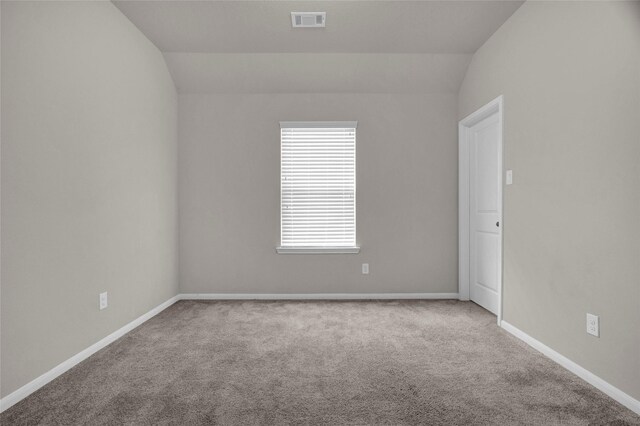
(318, 250)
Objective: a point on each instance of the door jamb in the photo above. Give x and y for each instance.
(464, 233)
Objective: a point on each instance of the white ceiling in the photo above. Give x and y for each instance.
(352, 26)
(367, 46)
(317, 72)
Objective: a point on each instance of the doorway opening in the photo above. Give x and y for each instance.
(480, 190)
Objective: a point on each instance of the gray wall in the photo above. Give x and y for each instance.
(570, 75)
(229, 161)
(88, 181)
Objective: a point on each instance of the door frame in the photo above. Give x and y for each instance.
(464, 217)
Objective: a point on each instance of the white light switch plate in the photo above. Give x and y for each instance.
(365, 268)
(104, 301)
(509, 177)
(593, 325)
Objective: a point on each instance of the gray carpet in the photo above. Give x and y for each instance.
(333, 363)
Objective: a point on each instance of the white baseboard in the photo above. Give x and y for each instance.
(606, 387)
(56, 371)
(316, 296)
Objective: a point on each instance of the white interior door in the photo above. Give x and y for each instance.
(485, 245)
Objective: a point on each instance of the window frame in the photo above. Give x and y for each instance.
(355, 249)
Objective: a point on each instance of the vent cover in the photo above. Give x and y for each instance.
(308, 19)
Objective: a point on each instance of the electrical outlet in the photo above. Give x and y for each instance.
(509, 177)
(365, 268)
(104, 301)
(593, 325)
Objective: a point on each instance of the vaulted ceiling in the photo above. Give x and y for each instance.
(367, 46)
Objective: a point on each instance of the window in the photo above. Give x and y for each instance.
(318, 187)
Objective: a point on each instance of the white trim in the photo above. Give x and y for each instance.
(604, 386)
(316, 296)
(26, 390)
(495, 106)
(318, 250)
(318, 124)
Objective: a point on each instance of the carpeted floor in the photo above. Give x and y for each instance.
(333, 363)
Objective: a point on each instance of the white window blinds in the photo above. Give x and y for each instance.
(318, 185)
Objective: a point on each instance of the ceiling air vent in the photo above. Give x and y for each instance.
(308, 19)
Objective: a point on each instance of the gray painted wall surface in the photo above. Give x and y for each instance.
(570, 76)
(88, 181)
(229, 183)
